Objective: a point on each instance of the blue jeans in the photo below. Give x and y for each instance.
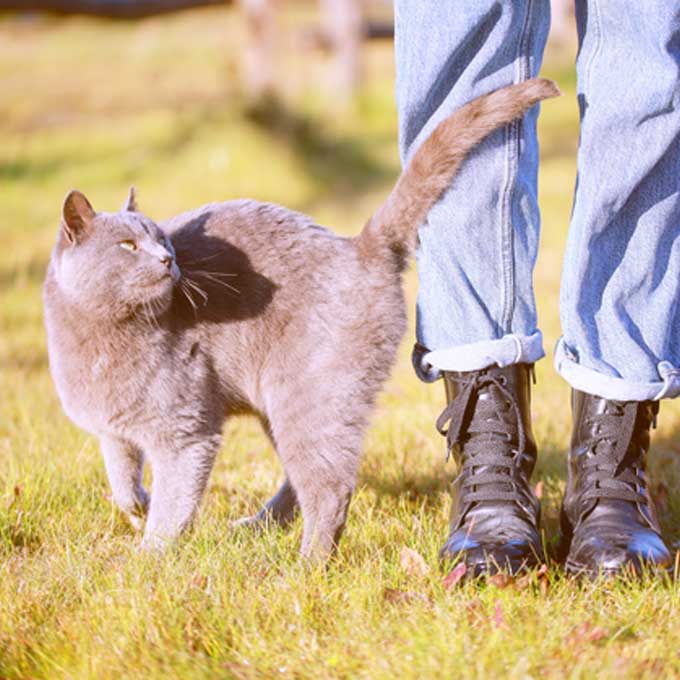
(620, 300)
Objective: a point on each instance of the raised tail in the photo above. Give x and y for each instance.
(392, 229)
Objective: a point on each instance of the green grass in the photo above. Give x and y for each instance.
(98, 106)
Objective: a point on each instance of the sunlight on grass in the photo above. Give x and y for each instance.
(99, 106)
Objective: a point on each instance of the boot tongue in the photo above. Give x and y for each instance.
(485, 428)
(483, 406)
(615, 429)
(615, 421)
(491, 427)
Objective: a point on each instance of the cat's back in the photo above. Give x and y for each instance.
(279, 292)
(268, 238)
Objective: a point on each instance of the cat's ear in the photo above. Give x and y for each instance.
(130, 204)
(76, 216)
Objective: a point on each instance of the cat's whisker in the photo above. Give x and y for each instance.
(187, 290)
(187, 295)
(194, 286)
(139, 316)
(150, 315)
(200, 259)
(158, 307)
(145, 315)
(220, 283)
(203, 271)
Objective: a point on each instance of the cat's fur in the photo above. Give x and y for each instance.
(242, 307)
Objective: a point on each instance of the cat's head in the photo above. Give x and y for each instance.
(113, 264)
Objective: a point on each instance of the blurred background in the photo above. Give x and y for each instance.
(282, 100)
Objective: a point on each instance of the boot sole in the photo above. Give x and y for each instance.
(486, 569)
(581, 571)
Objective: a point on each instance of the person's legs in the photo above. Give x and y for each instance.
(478, 246)
(476, 317)
(620, 299)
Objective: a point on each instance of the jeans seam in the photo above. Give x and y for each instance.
(512, 145)
(598, 43)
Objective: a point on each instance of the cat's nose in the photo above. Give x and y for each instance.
(166, 260)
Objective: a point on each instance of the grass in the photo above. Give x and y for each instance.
(99, 106)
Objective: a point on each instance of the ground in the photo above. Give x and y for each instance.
(98, 106)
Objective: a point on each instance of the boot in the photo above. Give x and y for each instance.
(495, 513)
(608, 520)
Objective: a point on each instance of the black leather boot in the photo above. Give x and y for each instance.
(495, 513)
(609, 523)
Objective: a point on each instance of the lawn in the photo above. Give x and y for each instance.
(98, 106)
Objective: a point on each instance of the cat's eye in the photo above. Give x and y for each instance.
(128, 245)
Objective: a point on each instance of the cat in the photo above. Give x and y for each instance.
(158, 332)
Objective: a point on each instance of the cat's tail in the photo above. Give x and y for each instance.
(392, 229)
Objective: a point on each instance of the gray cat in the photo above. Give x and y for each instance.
(158, 332)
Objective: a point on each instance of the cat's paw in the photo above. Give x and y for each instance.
(257, 522)
(154, 544)
(137, 516)
(136, 521)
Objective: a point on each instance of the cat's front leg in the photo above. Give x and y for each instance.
(124, 466)
(180, 474)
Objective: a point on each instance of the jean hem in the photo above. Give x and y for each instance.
(610, 387)
(510, 349)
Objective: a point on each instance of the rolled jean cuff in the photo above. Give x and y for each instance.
(593, 382)
(510, 349)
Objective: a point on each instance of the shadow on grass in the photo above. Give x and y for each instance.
(19, 169)
(664, 475)
(419, 489)
(339, 165)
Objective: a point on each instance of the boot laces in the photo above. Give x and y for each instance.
(611, 471)
(484, 433)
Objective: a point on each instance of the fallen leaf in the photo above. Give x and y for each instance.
(538, 489)
(237, 670)
(655, 667)
(500, 580)
(413, 563)
(402, 596)
(523, 582)
(585, 633)
(597, 634)
(455, 576)
(199, 581)
(16, 497)
(543, 581)
(498, 617)
(473, 609)
(395, 595)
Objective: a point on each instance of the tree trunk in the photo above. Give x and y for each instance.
(343, 25)
(259, 57)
